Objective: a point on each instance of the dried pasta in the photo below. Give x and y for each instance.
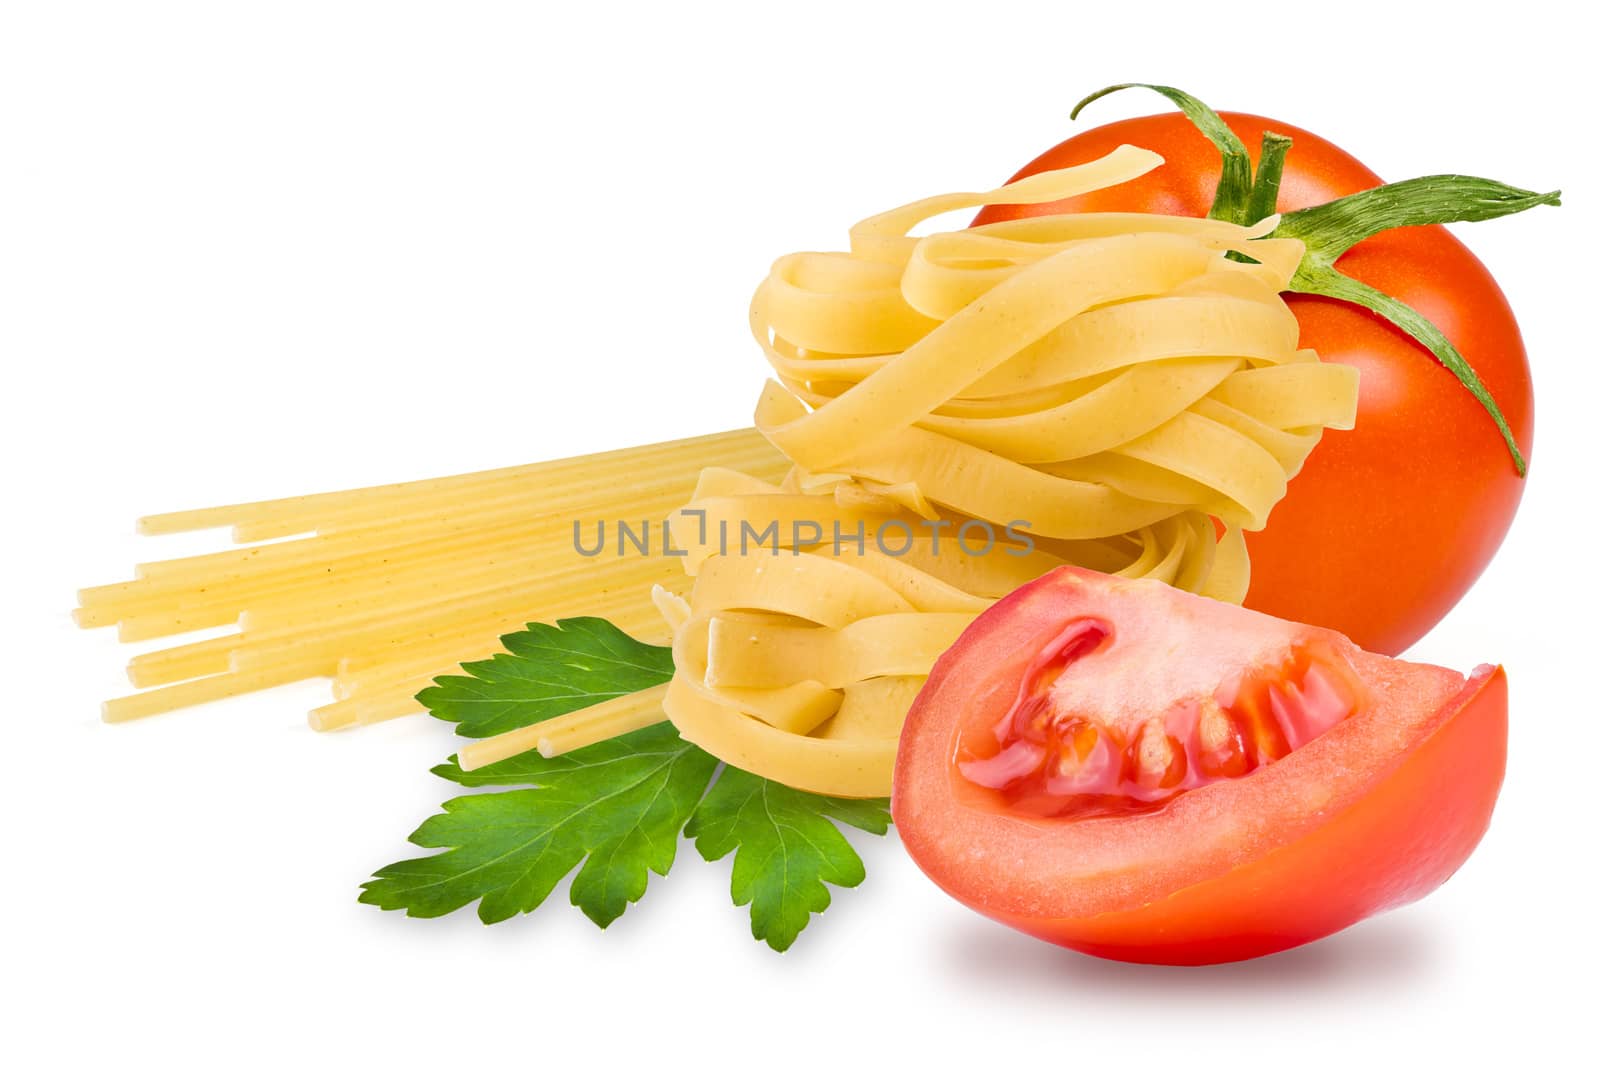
(386, 587)
(951, 416)
(1114, 382)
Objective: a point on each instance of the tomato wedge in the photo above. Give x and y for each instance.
(1143, 774)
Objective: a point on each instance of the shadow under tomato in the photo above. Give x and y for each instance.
(1390, 950)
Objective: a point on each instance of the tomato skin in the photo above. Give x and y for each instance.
(1397, 844)
(1376, 812)
(1389, 524)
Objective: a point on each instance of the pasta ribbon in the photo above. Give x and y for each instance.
(966, 411)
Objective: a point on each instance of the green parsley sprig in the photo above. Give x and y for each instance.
(613, 811)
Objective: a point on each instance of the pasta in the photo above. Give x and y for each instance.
(951, 416)
(1114, 382)
(386, 587)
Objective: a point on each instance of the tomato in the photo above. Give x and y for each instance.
(1388, 525)
(1144, 774)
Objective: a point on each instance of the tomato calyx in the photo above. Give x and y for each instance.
(1232, 201)
(1329, 230)
(1054, 754)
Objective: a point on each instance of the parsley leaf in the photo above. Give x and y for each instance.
(550, 671)
(785, 847)
(617, 808)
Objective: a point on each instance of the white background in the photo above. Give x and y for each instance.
(257, 249)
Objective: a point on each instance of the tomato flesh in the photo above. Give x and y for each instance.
(1136, 772)
(1056, 753)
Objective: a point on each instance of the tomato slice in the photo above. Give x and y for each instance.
(1143, 774)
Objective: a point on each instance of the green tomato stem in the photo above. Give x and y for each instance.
(1336, 226)
(1233, 188)
(1269, 176)
(1329, 230)
(1318, 278)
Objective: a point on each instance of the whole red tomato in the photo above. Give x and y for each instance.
(1388, 525)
